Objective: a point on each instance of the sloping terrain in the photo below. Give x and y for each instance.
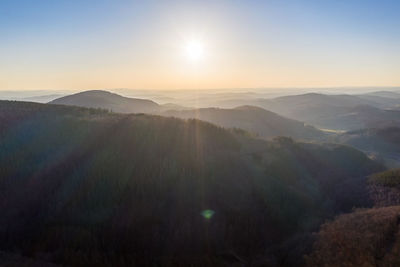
(380, 143)
(384, 188)
(363, 238)
(342, 112)
(339, 112)
(90, 188)
(256, 120)
(367, 237)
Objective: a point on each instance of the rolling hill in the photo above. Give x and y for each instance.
(342, 112)
(339, 112)
(256, 120)
(336, 112)
(109, 101)
(381, 143)
(86, 187)
(359, 117)
(386, 94)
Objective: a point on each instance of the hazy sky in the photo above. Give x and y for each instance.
(78, 44)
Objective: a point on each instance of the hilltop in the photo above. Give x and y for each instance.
(109, 101)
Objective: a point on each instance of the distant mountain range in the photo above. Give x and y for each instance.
(338, 112)
(256, 120)
(365, 119)
(386, 94)
(343, 112)
(333, 112)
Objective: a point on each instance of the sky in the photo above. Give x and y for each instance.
(98, 44)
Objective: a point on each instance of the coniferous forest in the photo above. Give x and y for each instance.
(87, 187)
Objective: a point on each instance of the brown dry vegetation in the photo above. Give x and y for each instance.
(384, 188)
(362, 238)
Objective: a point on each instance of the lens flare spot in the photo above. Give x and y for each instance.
(207, 214)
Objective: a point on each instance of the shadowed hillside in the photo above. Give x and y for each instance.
(256, 120)
(381, 143)
(90, 188)
(343, 112)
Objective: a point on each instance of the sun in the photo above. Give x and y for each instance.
(194, 50)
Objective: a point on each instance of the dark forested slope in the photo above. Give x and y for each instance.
(84, 187)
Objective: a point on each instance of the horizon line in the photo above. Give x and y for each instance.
(217, 88)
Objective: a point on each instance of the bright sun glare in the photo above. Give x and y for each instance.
(194, 50)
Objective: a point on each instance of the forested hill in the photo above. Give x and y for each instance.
(256, 120)
(85, 187)
(110, 101)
